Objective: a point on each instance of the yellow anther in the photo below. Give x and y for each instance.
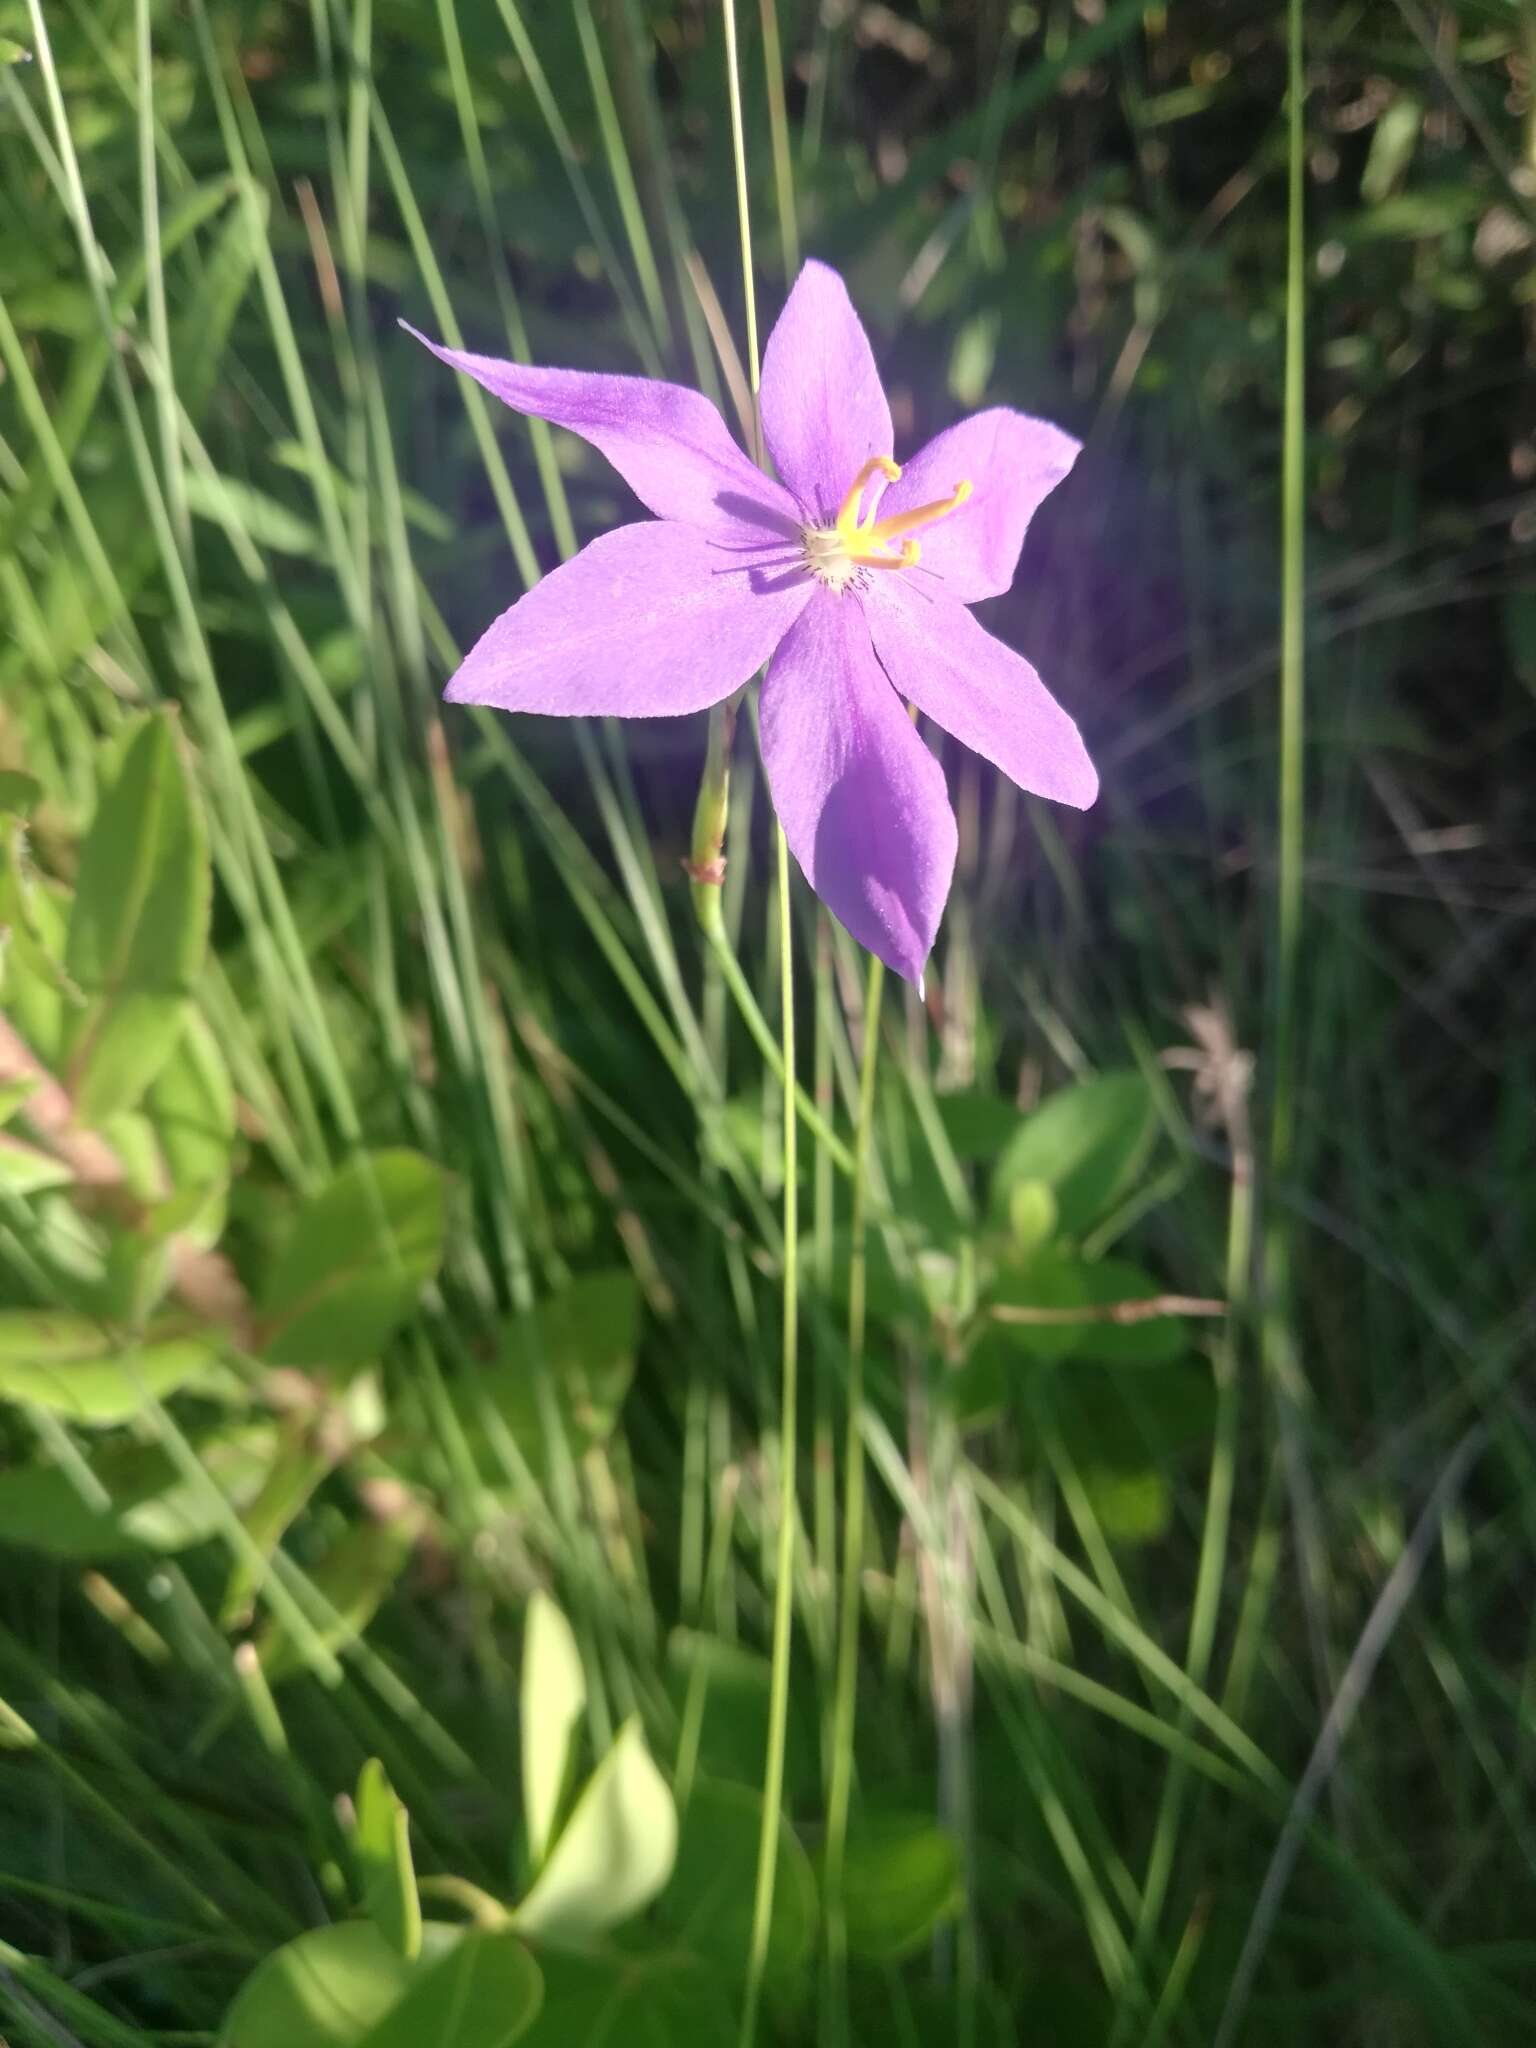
(887, 530)
(848, 512)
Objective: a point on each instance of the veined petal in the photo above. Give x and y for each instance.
(1012, 463)
(981, 691)
(668, 443)
(648, 621)
(824, 409)
(861, 799)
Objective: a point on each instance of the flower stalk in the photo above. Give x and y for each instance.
(705, 865)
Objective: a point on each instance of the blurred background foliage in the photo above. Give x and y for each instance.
(388, 1179)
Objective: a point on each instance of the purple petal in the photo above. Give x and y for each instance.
(824, 409)
(978, 689)
(669, 444)
(861, 799)
(648, 621)
(1012, 463)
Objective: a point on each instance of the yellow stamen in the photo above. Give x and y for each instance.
(837, 555)
(848, 512)
(907, 559)
(885, 531)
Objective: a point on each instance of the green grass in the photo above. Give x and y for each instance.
(1206, 1645)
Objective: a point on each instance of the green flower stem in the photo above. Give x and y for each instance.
(845, 1684)
(784, 1586)
(741, 989)
(706, 853)
(784, 1571)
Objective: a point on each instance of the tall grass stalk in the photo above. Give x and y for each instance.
(845, 1684)
(784, 1588)
(1282, 1364)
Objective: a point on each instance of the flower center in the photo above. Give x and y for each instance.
(838, 555)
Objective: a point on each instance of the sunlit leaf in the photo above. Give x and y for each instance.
(584, 1338)
(646, 1998)
(323, 1990)
(725, 1690)
(613, 1855)
(139, 923)
(26, 1170)
(554, 1692)
(1086, 1143)
(152, 1506)
(191, 1107)
(709, 1902)
(383, 1843)
(901, 1880)
(72, 1366)
(355, 1261)
(485, 1992)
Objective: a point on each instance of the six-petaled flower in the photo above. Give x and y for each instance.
(849, 577)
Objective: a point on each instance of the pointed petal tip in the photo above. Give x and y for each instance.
(905, 962)
(815, 267)
(1082, 789)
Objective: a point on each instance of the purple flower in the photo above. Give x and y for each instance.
(850, 579)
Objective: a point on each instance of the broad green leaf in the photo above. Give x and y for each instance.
(978, 1122)
(1429, 210)
(727, 1688)
(1127, 1422)
(12, 1095)
(323, 1990)
(1086, 1143)
(1157, 1340)
(709, 1902)
(613, 1855)
(554, 1692)
(640, 1999)
(1032, 1216)
(585, 1338)
(1393, 142)
(132, 1138)
(191, 1107)
(1131, 1507)
(998, 1367)
(1057, 1283)
(18, 792)
(71, 1366)
(1054, 1283)
(24, 1170)
(139, 924)
(135, 1276)
(152, 1506)
(39, 999)
(356, 1259)
(390, 1897)
(484, 1992)
(901, 1880)
(354, 1579)
(120, 1048)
